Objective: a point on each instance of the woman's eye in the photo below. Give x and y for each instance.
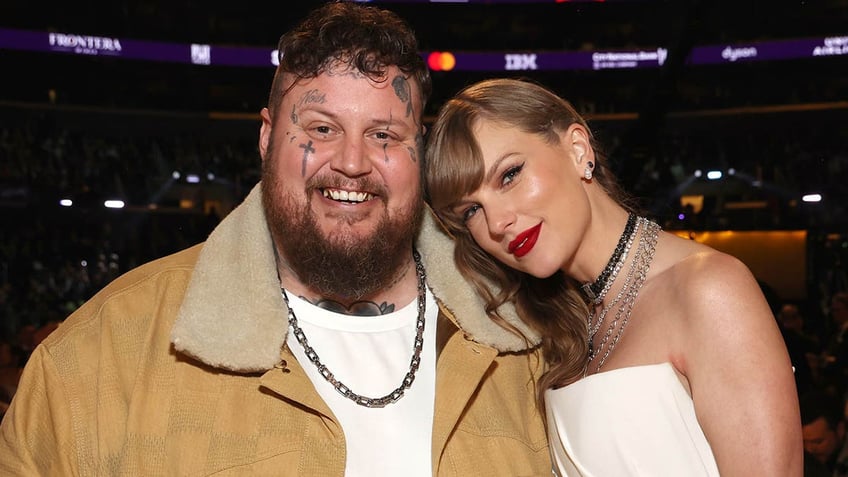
(510, 174)
(469, 212)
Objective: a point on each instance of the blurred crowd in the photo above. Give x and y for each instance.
(46, 158)
(54, 258)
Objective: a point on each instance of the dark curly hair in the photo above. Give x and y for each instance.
(366, 37)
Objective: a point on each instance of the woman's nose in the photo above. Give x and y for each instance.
(499, 219)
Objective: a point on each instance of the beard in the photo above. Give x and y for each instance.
(347, 265)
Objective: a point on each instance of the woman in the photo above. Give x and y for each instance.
(664, 357)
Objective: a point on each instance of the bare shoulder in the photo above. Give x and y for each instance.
(717, 301)
(703, 279)
(732, 354)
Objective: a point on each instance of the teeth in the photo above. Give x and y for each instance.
(346, 196)
(518, 247)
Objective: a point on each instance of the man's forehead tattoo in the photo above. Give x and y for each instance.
(402, 90)
(343, 69)
(313, 96)
(404, 93)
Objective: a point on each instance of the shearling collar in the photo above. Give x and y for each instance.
(233, 315)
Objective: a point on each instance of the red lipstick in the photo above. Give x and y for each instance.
(524, 242)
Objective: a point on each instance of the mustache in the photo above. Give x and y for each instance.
(332, 181)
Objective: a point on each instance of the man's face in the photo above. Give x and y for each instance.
(839, 311)
(820, 440)
(791, 319)
(341, 176)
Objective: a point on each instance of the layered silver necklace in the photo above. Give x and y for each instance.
(414, 363)
(626, 296)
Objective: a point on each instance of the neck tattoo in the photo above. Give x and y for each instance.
(357, 308)
(414, 363)
(624, 299)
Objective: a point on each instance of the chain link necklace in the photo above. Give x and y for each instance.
(628, 236)
(597, 290)
(414, 363)
(634, 280)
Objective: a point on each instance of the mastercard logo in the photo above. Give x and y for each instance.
(441, 61)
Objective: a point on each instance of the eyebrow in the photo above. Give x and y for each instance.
(490, 175)
(457, 209)
(379, 122)
(496, 165)
(387, 122)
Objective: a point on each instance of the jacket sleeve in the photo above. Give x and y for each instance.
(36, 435)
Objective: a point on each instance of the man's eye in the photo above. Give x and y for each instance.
(323, 129)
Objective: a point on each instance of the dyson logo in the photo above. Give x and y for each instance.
(84, 44)
(733, 54)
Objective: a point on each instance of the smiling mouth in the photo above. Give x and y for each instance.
(524, 242)
(347, 196)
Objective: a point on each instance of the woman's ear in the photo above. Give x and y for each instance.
(576, 141)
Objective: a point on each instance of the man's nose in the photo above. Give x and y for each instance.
(353, 160)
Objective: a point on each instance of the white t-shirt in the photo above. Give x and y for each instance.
(371, 355)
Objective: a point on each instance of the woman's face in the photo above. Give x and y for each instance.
(531, 210)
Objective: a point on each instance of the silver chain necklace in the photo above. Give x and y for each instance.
(627, 295)
(593, 328)
(414, 363)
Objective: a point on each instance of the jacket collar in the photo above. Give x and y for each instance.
(233, 315)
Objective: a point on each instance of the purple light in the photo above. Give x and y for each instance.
(243, 56)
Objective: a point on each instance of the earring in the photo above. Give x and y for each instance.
(587, 173)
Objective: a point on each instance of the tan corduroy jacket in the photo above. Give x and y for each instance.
(179, 368)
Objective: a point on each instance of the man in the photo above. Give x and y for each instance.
(824, 435)
(803, 348)
(246, 355)
(835, 356)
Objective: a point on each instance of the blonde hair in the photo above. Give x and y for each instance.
(453, 168)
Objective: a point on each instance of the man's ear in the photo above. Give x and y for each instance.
(264, 132)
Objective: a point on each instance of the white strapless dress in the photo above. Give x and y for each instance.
(636, 421)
